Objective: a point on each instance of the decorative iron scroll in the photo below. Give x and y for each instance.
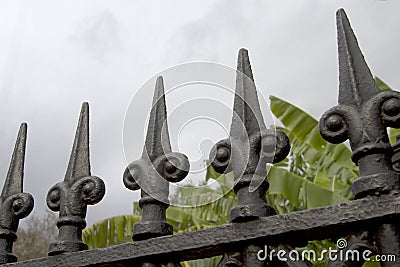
(152, 173)
(14, 204)
(250, 147)
(362, 115)
(247, 151)
(79, 189)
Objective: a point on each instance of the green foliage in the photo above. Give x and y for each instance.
(316, 173)
(111, 231)
(303, 192)
(382, 85)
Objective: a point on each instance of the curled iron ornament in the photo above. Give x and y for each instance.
(249, 148)
(14, 204)
(272, 146)
(173, 167)
(220, 156)
(79, 189)
(88, 190)
(362, 116)
(246, 152)
(364, 126)
(153, 172)
(20, 205)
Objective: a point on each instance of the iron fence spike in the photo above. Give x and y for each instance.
(79, 162)
(157, 137)
(154, 170)
(14, 179)
(362, 115)
(249, 148)
(356, 84)
(79, 189)
(14, 204)
(246, 105)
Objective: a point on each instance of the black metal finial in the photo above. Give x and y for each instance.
(362, 116)
(78, 190)
(249, 148)
(14, 204)
(152, 173)
(356, 84)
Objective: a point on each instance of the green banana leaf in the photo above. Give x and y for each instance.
(111, 231)
(382, 85)
(306, 140)
(291, 186)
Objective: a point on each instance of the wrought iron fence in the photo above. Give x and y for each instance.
(370, 222)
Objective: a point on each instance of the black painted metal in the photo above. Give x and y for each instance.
(362, 116)
(14, 204)
(313, 224)
(152, 173)
(250, 147)
(79, 189)
(369, 222)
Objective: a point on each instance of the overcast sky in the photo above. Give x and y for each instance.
(56, 54)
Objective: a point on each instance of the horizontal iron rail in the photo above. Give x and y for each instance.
(313, 224)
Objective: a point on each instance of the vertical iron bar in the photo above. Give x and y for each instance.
(79, 189)
(14, 204)
(362, 115)
(247, 151)
(153, 172)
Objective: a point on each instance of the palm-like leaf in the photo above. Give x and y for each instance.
(317, 173)
(111, 231)
(315, 194)
(307, 142)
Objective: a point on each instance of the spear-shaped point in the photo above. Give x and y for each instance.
(246, 107)
(15, 175)
(157, 139)
(356, 82)
(243, 64)
(79, 162)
